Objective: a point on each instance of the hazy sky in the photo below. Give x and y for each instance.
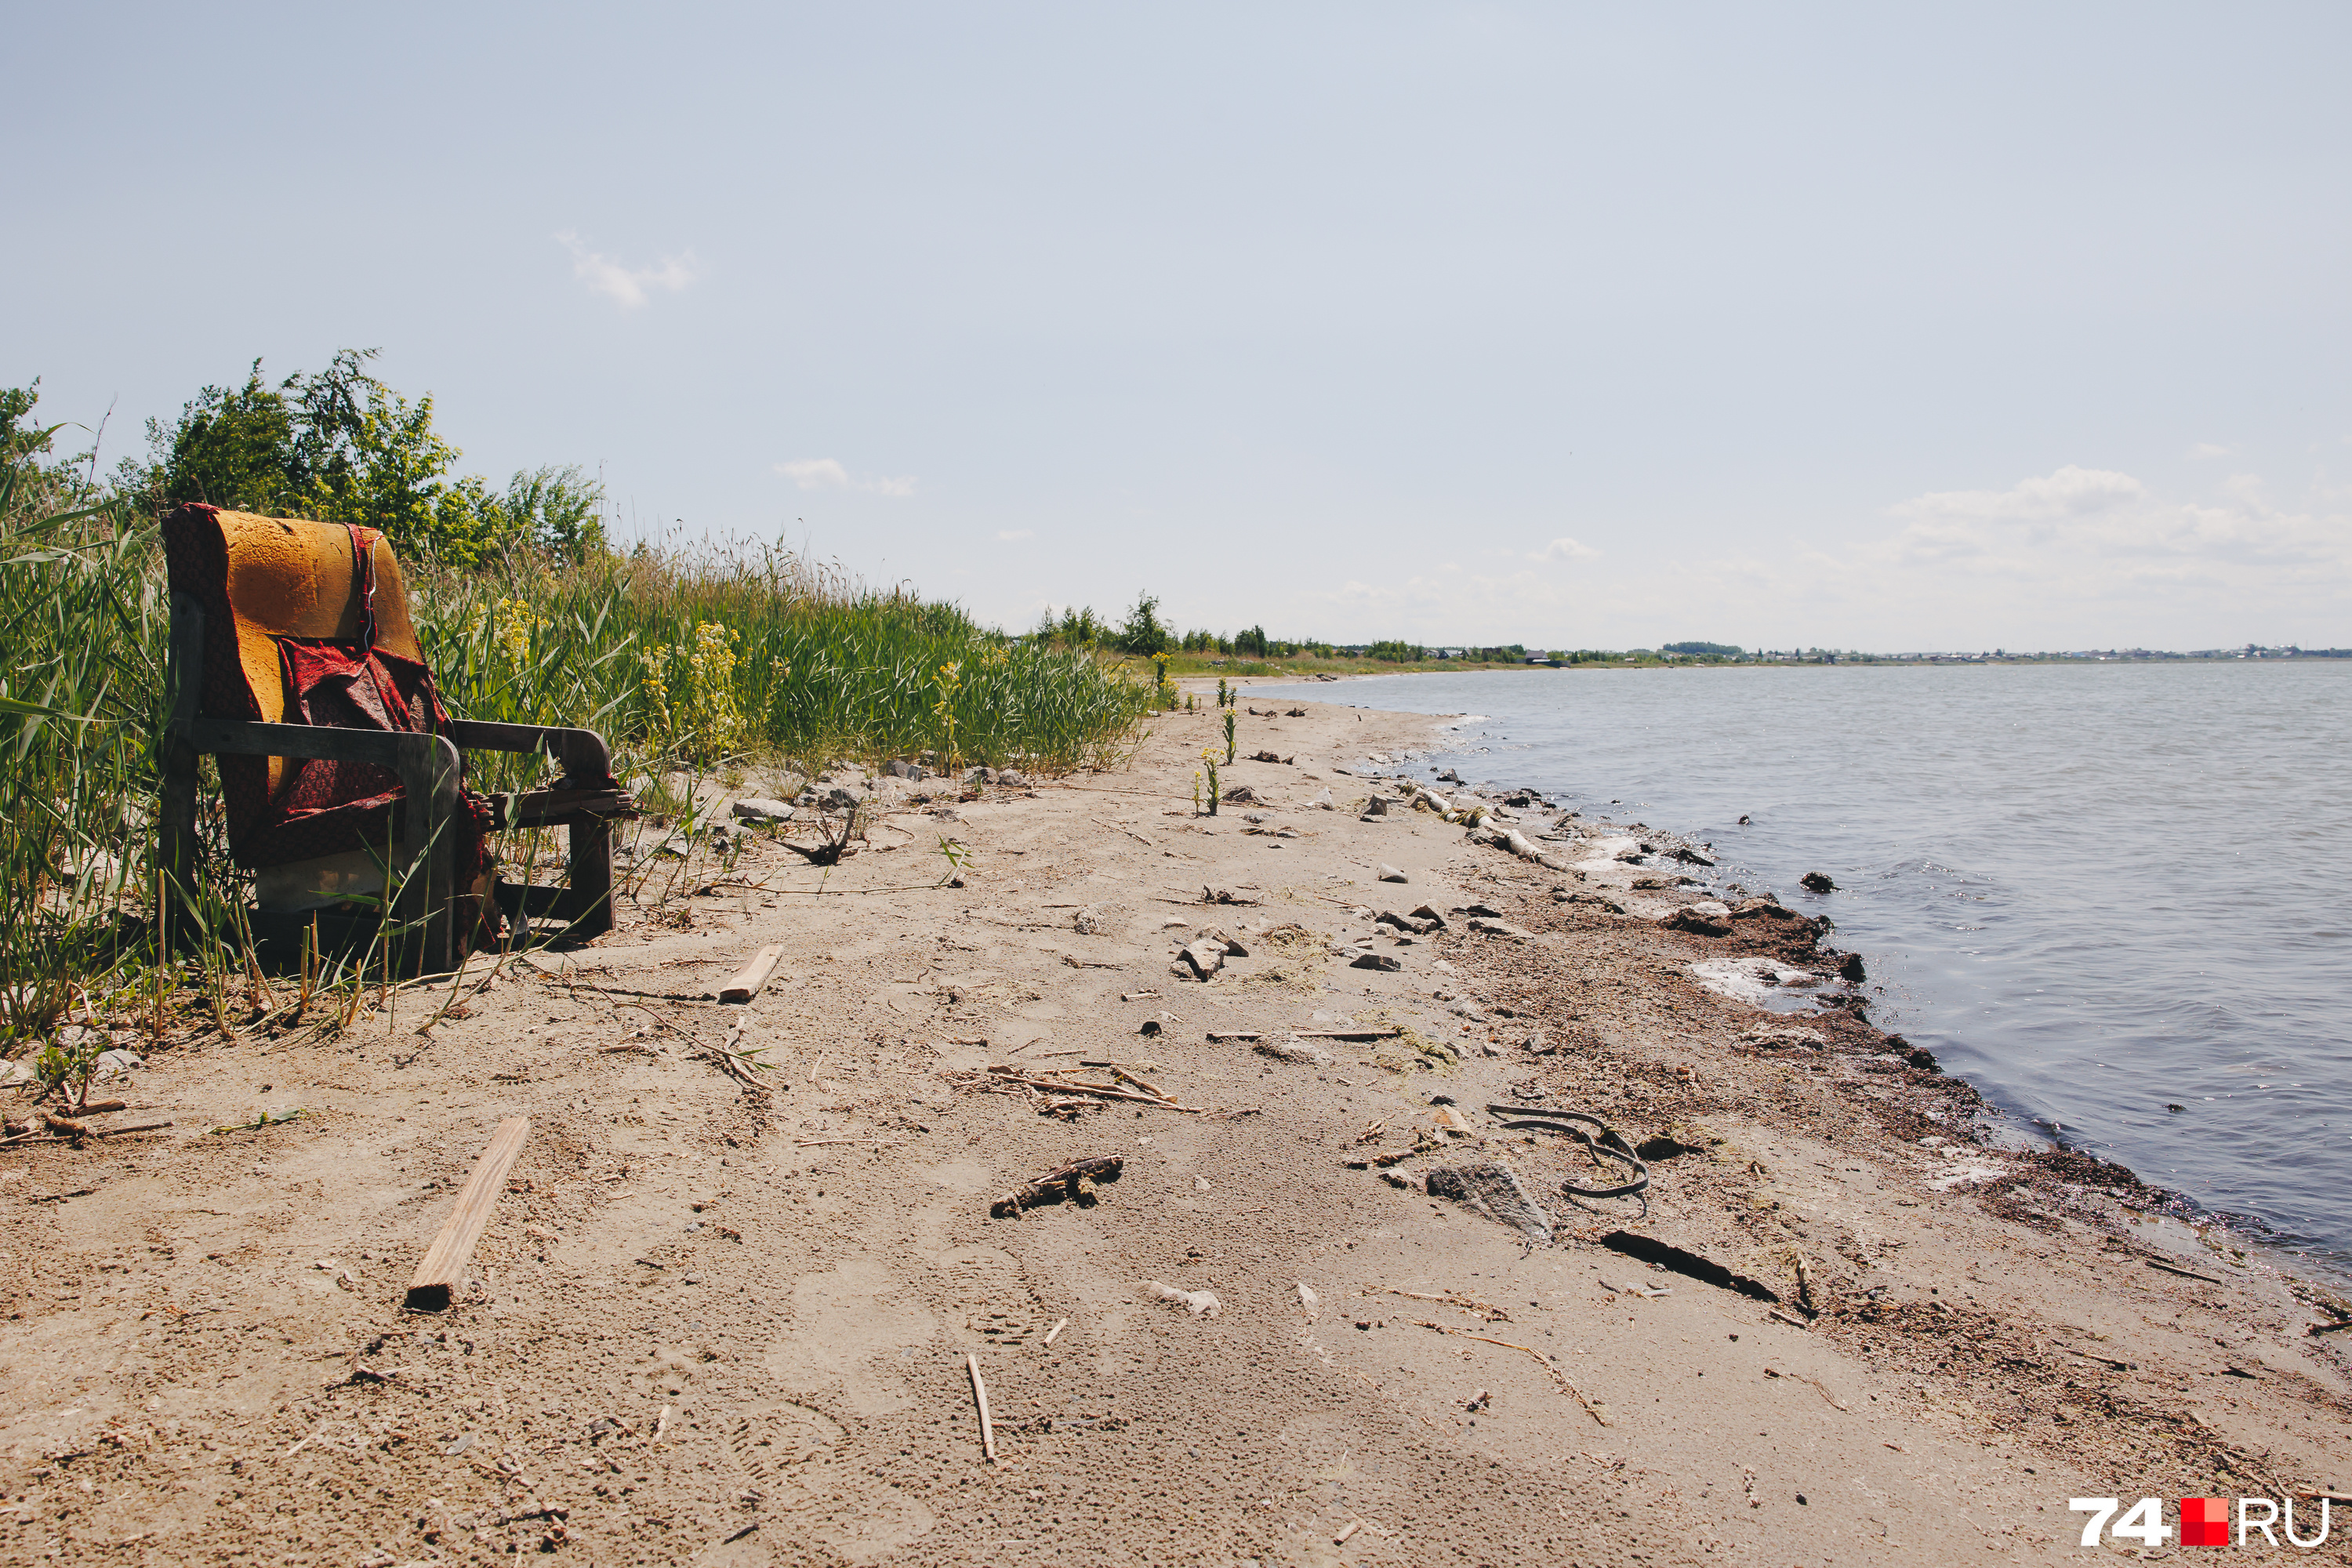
(1861, 326)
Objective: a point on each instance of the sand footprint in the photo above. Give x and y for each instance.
(810, 1492)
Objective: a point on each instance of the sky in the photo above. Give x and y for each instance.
(1577, 326)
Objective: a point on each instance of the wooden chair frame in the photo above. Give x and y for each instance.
(423, 865)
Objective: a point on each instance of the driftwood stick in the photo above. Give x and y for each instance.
(752, 978)
(1486, 1309)
(1108, 1091)
(1145, 1085)
(1057, 1184)
(1541, 1359)
(980, 1397)
(1346, 1033)
(443, 1268)
(92, 1133)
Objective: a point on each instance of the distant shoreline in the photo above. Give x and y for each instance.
(1195, 667)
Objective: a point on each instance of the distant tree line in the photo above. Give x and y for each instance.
(1143, 632)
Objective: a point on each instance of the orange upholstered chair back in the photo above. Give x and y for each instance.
(291, 577)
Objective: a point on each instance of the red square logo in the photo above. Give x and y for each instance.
(2204, 1522)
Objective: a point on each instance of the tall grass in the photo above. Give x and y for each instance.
(822, 669)
(81, 639)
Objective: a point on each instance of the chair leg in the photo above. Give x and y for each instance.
(592, 878)
(176, 846)
(428, 776)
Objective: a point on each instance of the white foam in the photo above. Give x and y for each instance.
(1749, 980)
(1963, 1175)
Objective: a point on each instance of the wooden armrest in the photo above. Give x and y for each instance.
(583, 752)
(427, 764)
(385, 748)
(557, 807)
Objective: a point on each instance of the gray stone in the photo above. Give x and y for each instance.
(756, 809)
(1376, 961)
(1391, 874)
(1491, 1188)
(1693, 919)
(1494, 928)
(1200, 960)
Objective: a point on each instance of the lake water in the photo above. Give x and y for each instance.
(2094, 891)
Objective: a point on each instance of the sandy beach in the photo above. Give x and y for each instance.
(738, 1294)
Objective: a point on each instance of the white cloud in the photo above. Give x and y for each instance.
(826, 474)
(1564, 549)
(2079, 557)
(815, 474)
(627, 287)
(2076, 558)
(2080, 516)
(1014, 535)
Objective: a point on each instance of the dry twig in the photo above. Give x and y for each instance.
(980, 1397)
(1541, 1359)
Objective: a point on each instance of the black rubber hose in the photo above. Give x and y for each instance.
(1609, 1143)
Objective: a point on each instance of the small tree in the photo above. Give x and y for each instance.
(1142, 633)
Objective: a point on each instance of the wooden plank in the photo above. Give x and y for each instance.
(753, 976)
(443, 1268)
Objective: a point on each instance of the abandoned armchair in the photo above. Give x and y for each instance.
(294, 661)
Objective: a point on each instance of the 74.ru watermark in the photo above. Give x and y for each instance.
(2204, 1521)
